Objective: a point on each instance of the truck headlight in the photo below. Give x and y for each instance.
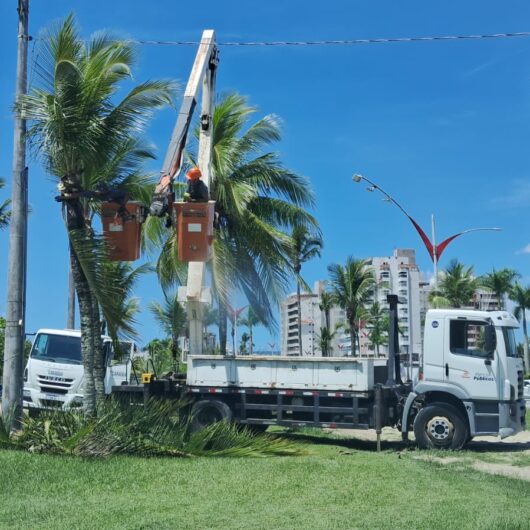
(26, 395)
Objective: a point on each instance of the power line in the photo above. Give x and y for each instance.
(347, 42)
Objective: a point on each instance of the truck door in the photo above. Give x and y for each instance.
(466, 364)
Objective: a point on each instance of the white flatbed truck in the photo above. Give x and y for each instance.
(470, 383)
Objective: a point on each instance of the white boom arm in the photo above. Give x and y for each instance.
(203, 72)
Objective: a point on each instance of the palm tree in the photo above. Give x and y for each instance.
(456, 286)
(257, 203)
(326, 304)
(521, 296)
(88, 138)
(171, 317)
(351, 287)
(500, 283)
(324, 340)
(4, 212)
(326, 335)
(251, 320)
(377, 317)
(305, 246)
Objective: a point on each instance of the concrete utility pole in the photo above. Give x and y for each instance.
(16, 281)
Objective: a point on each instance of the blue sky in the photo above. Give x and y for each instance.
(442, 126)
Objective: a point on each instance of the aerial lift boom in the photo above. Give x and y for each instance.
(193, 295)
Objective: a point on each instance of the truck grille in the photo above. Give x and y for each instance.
(54, 385)
(49, 403)
(520, 385)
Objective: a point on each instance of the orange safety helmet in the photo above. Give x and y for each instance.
(194, 173)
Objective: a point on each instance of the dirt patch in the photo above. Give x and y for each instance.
(521, 473)
(441, 460)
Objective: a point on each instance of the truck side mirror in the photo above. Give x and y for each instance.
(490, 339)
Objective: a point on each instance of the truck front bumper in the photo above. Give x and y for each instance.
(33, 399)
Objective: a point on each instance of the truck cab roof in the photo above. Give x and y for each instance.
(498, 318)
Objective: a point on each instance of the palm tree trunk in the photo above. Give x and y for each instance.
(223, 327)
(75, 221)
(87, 343)
(525, 345)
(352, 337)
(251, 351)
(298, 297)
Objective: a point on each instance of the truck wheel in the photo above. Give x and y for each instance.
(208, 412)
(440, 426)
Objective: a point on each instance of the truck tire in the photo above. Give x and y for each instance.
(209, 411)
(440, 426)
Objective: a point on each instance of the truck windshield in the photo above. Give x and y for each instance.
(57, 348)
(510, 342)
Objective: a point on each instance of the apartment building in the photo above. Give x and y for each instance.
(312, 318)
(396, 274)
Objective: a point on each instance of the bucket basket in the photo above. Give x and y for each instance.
(194, 230)
(122, 235)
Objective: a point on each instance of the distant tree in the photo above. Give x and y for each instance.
(377, 317)
(306, 245)
(4, 211)
(500, 283)
(521, 296)
(251, 320)
(171, 317)
(326, 304)
(324, 341)
(351, 287)
(245, 338)
(456, 286)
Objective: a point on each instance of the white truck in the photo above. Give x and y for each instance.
(470, 383)
(54, 373)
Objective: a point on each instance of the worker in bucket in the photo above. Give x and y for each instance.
(197, 190)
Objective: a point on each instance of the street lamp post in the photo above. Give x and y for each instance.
(435, 250)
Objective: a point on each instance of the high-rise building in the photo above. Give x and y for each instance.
(312, 318)
(396, 274)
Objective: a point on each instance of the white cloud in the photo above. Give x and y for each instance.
(525, 250)
(519, 196)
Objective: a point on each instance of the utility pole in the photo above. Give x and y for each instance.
(16, 281)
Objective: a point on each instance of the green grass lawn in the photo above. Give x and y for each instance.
(340, 485)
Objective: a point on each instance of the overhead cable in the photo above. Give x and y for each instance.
(346, 42)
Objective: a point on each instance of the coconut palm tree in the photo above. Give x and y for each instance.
(258, 201)
(171, 317)
(500, 283)
(521, 296)
(377, 317)
(4, 212)
(87, 137)
(456, 286)
(324, 340)
(251, 320)
(351, 287)
(326, 304)
(305, 246)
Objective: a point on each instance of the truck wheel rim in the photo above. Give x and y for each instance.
(440, 429)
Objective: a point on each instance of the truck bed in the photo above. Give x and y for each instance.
(308, 373)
